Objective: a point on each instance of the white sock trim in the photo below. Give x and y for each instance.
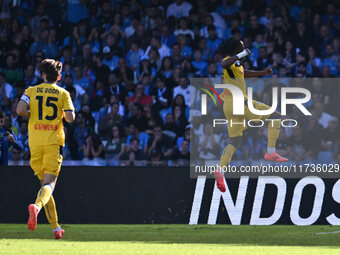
(270, 150)
(56, 229)
(38, 208)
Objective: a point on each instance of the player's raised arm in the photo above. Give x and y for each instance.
(234, 50)
(254, 74)
(226, 63)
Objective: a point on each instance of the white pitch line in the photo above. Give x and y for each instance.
(326, 233)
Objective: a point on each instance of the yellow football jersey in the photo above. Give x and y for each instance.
(47, 102)
(233, 75)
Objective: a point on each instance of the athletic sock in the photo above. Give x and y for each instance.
(227, 154)
(270, 150)
(37, 207)
(273, 133)
(44, 195)
(51, 213)
(57, 229)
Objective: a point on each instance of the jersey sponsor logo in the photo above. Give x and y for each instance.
(47, 127)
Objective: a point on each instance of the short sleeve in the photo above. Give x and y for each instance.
(67, 105)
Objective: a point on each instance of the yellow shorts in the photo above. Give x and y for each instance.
(46, 159)
(237, 129)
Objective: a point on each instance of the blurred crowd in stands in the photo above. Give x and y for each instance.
(128, 64)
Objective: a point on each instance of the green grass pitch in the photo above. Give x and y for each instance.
(170, 239)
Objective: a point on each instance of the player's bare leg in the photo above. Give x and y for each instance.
(273, 134)
(44, 195)
(228, 152)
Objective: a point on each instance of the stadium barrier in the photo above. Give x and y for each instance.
(138, 195)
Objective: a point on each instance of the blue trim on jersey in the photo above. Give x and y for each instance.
(48, 212)
(44, 187)
(41, 190)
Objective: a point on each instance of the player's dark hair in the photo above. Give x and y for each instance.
(2, 114)
(229, 46)
(52, 68)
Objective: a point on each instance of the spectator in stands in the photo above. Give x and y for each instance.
(6, 92)
(170, 126)
(155, 159)
(110, 60)
(133, 155)
(182, 153)
(88, 116)
(199, 64)
(109, 120)
(183, 89)
(7, 139)
(11, 70)
(161, 142)
(183, 28)
(23, 138)
(98, 98)
(331, 60)
(134, 132)
(167, 36)
(212, 41)
(208, 143)
(116, 146)
(80, 80)
(163, 49)
(116, 89)
(176, 56)
(29, 78)
(178, 9)
(93, 148)
(180, 119)
(46, 43)
(140, 97)
(161, 94)
(8, 124)
(77, 136)
(166, 71)
(134, 55)
(300, 147)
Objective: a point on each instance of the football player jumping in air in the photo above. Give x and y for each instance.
(233, 73)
